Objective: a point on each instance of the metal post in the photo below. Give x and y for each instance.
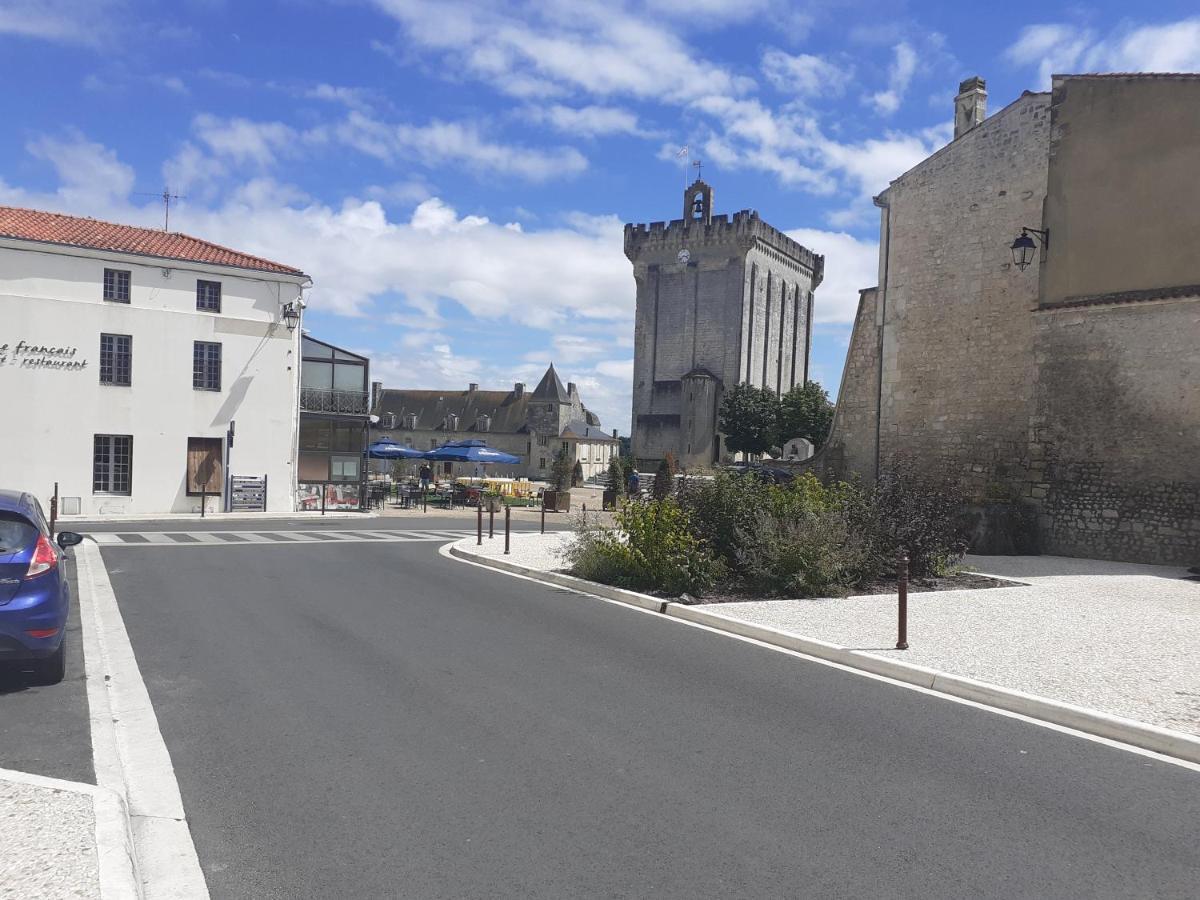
(203, 498)
(543, 516)
(902, 579)
(491, 521)
(323, 498)
(507, 527)
(479, 524)
(54, 510)
(424, 499)
(585, 514)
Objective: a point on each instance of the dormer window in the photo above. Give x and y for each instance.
(450, 423)
(410, 421)
(483, 423)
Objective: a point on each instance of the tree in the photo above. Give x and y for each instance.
(561, 471)
(664, 477)
(577, 474)
(750, 419)
(805, 411)
(616, 476)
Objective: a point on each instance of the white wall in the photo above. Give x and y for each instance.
(54, 297)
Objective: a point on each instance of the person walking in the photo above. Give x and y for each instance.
(635, 484)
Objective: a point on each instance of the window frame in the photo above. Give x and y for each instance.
(109, 486)
(114, 370)
(201, 285)
(113, 278)
(202, 366)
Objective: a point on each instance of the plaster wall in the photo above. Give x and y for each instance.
(54, 299)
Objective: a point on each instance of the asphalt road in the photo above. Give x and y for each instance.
(374, 720)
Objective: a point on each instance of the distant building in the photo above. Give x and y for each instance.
(128, 359)
(533, 426)
(720, 302)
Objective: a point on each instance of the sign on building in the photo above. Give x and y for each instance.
(248, 493)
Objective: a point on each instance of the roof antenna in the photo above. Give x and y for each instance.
(167, 197)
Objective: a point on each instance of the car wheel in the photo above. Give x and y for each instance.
(52, 669)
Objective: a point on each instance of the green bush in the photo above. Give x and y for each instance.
(652, 548)
(813, 554)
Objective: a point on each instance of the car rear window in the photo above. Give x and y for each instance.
(16, 533)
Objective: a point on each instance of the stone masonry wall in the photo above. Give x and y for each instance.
(957, 380)
(1116, 433)
(850, 448)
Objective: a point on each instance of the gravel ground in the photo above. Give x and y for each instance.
(1116, 637)
(47, 843)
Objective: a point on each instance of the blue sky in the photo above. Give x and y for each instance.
(455, 175)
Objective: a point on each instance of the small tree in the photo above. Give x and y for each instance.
(561, 471)
(616, 477)
(664, 477)
(750, 419)
(805, 411)
(577, 474)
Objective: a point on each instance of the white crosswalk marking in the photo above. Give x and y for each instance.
(258, 538)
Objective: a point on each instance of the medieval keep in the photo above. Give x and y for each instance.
(720, 301)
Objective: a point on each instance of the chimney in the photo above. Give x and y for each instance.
(472, 387)
(571, 389)
(615, 438)
(376, 390)
(970, 106)
(519, 389)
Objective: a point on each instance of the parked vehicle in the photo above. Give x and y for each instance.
(35, 596)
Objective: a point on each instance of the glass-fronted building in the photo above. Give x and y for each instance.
(334, 406)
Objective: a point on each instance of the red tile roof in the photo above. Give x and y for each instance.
(76, 231)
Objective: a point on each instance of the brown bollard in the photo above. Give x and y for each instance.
(584, 513)
(543, 517)
(491, 521)
(507, 527)
(902, 584)
(54, 511)
(479, 523)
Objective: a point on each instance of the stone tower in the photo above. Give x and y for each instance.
(720, 301)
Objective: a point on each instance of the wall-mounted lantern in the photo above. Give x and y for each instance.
(1024, 248)
(291, 315)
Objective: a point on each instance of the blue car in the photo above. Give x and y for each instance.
(35, 595)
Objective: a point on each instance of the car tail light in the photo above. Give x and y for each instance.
(42, 632)
(45, 557)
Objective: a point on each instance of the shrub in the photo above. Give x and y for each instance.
(919, 514)
(664, 477)
(616, 478)
(720, 509)
(652, 548)
(816, 553)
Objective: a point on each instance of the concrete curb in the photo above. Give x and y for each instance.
(216, 517)
(116, 867)
(1127, 731)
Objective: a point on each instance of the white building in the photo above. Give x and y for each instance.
(126, 356)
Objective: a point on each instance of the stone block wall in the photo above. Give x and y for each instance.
(1116, 432)
(957, 340)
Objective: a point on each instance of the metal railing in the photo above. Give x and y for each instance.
(351, 402)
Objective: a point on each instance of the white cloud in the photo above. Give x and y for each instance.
(85, 22)
(586, 121)
(805, 75)
(244, 141)
(851, 264)
(89, 174)
(456, 143)
(900, 73)
(538, 49)
(1058, 48)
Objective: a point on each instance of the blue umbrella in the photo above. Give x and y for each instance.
(389, 449)
(472, 451)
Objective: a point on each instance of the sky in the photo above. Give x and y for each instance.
(455, 175)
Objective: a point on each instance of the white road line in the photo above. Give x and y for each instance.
(106, 537)
(128, 750)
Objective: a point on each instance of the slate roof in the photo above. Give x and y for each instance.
(580, 429)
(551, 388)
(505, 408)
(94, 234)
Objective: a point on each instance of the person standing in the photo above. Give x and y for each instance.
(635, 484)
(426, 474)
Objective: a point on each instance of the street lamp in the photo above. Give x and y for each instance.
(291, 315)
(1024, 248)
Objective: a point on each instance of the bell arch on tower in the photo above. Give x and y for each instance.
(698, 203)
